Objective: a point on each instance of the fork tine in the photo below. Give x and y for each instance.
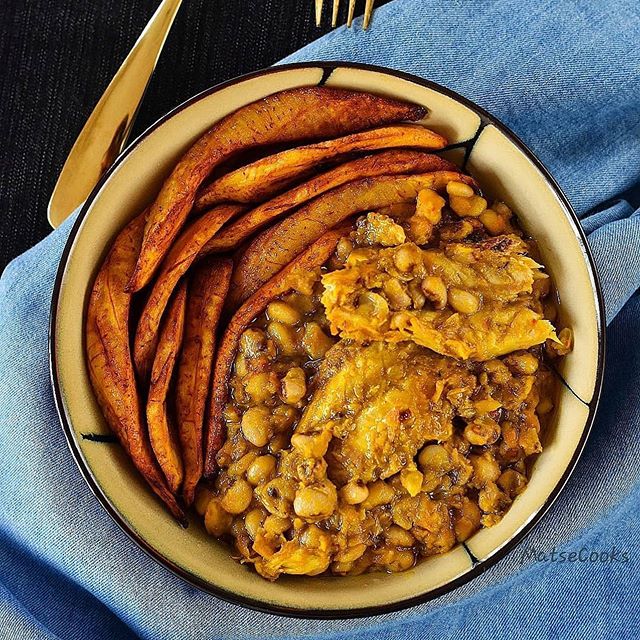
(318, 12)
(352, 8)
(334, 13)
(368, 10)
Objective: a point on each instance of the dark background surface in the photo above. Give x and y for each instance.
(58, 56)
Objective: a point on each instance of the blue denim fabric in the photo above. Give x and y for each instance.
(566, 77)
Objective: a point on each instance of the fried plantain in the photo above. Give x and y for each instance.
(305, 113)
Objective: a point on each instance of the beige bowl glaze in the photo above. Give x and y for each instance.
(504, 167)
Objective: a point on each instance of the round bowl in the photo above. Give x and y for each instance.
(504, 167)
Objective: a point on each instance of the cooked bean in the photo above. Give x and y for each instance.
(315, 341)
(455, 188)
(315, 501)
(255, 425)
(487, 405)
(279, 442)
(275, 525)
(435, 291)
(217, 520)
(354, 492)
(237, 498)
(343, 249)
(512, 482)
(483, 430)
(502, 209)
(239, 467)
(434, 457)
(493, 221)
(468, 520)
(472, 206)
(407, 258)
(396, 294)
(261, 470)
(253, 521)
(398, 537)
(279, 311)
(261, 386)
(294, 386)
(522, 363)
(485, 469)
(284, 337)
(379, 493)
(463, 301)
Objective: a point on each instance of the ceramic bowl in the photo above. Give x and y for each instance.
(504, 167)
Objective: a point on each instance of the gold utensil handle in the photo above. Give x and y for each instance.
(108, 127)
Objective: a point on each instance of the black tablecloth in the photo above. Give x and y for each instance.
(57, 57)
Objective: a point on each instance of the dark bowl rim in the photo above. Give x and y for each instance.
(479, 566)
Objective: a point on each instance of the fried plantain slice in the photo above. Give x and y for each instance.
(207, 290)
(265, 177)
(392, 162)
(175, 265)
(109, 359)
(306, 113)
(278, 245)
(161, 430)
(298, 274)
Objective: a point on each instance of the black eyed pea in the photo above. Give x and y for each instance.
(279, 311)
(471, 206)
(275, 525)
(261, 470)
(279, 442)
(408, 258)
(237, 498)
(461, 189)
(522, 363)
(343, 249)
(316, 501)
(434, 458)
(435, 291)
(253, 521)
(482, 431)
(396, 294)
(239, 467)
(502, 209)
(493, 222)
(284, 336)
(398, 537)
(354, 492)
(293, 386)
(379, 493)
(217, 520)
(315, 341)
(485, 469)
(463, 301)
(512, 482)
(261, 386)
(255, 425)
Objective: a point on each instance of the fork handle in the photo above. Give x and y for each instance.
(109, 125)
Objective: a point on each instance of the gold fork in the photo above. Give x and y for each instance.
(108, 127)
(368, 11)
